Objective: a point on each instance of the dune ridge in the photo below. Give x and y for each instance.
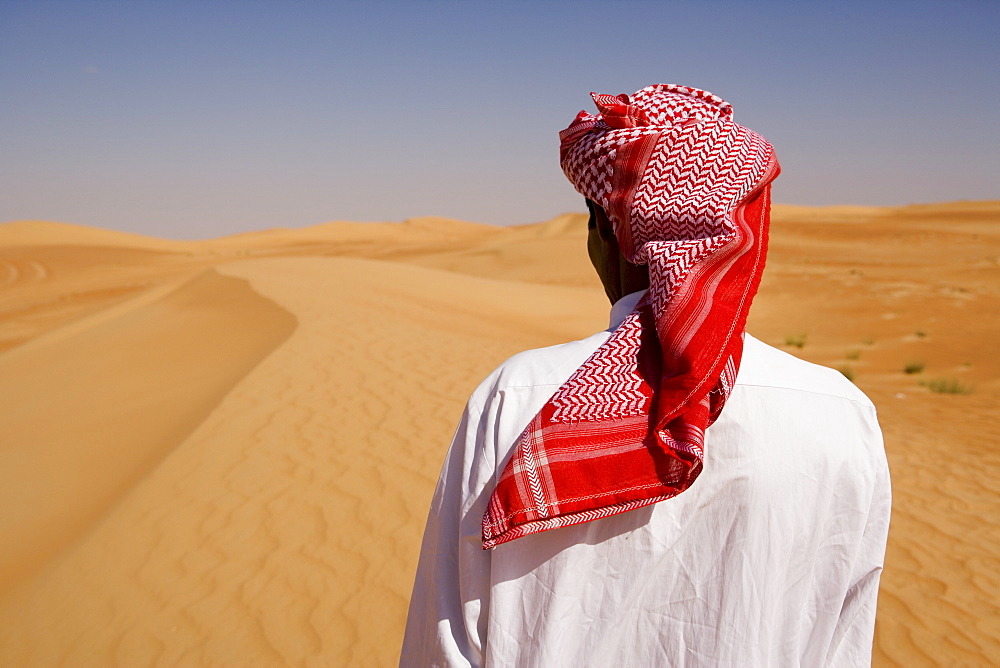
(221, 452)
(79, 405)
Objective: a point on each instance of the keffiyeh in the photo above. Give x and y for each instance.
(687, 191)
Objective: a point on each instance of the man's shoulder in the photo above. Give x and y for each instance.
(540, 367)
(765, 366)
(810, 416)
(545, 369)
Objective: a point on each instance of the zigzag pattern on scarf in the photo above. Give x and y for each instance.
(670, 262)
(608, 384)
(531, 475)
(684, 165)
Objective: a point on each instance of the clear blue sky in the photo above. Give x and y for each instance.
(195, 119)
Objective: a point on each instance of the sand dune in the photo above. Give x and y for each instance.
(221, 452)
(91, 407)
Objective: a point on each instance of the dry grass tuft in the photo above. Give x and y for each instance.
(946, 386)
(796, 340)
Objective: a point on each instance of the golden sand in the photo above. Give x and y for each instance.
(222, 452)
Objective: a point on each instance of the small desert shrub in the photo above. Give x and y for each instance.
(946, 386)
(913, 367)
(921, 333)
(868, 342)
(853, 354)
(797, 340)
(848, 372)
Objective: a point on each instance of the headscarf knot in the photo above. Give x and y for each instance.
(618, 111)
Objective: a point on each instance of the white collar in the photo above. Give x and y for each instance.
(623, 307)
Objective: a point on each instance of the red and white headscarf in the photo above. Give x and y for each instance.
(687, 191)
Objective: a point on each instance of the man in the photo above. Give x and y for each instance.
(670, 491)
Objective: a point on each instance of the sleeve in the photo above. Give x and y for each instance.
(447, 619)
(854, 633)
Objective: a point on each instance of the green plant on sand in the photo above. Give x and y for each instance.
(848, 372)
(853, 354)
(913, 367)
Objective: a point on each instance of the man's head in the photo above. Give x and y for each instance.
(668, 177)
(619, 276)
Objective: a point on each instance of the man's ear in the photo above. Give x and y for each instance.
(604, 226)
(592, 209)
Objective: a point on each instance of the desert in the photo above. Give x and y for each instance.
(221, 452)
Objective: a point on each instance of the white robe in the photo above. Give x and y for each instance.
(771, 558)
